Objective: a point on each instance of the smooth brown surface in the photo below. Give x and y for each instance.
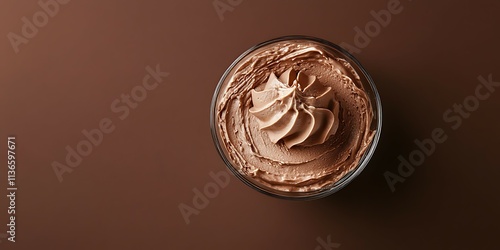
(126, 193)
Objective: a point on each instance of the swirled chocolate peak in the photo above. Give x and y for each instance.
(295, 108)
(294, 116)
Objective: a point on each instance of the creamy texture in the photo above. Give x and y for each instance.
(296, 108)
(327, 127)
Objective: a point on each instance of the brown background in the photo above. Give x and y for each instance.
(125, 195)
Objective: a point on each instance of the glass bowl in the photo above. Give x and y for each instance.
(376, 123)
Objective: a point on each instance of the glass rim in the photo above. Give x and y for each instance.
(322, 192)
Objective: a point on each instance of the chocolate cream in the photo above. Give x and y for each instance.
(294, 117)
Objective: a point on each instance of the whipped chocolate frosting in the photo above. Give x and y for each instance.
(295, 108)
(301, 131)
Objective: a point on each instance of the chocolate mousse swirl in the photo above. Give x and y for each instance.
(301, 131)
(295, 108)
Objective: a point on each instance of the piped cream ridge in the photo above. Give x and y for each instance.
(294, 117)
